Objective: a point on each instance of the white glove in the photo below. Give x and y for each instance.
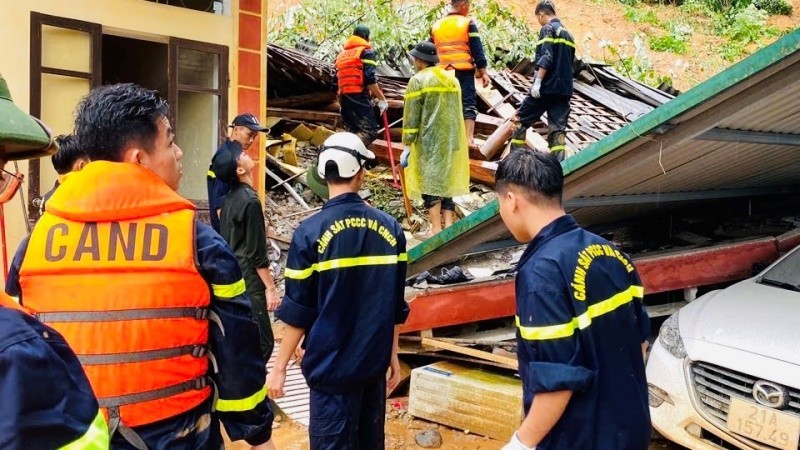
(536, 88)
(515, 444)
(383, 105)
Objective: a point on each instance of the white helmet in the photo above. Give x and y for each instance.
(347, 151)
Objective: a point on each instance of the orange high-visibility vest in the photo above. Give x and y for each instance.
(451, 37)
(111, 266)
(350, 68)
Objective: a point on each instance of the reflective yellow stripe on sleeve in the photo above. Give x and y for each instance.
(518, 142)
(212, 174)
(244, 404)
(474, 35)
(229, 290)
(558, 148)
(95, 438)
(410, 130)
(555, 41)
(581, 322)
(342, 263)
(418, 93)
(370, 62)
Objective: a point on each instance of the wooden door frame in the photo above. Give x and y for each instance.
(38, 20)
(222, 90)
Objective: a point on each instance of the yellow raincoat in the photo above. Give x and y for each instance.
(434, 128)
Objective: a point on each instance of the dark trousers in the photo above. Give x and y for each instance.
(349, 421)
(469, 96)
(258, 301)
(358, 114)
(531, 110)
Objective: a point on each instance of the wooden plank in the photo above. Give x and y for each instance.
(486, 124)
(330, 118)
(479, 171)
(482, 172)
(494, 99)
(535, 141)
(475, 400)
(511, 363)
(299, 101)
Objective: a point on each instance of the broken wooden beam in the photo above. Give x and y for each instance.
(497, 141)
(300, 101)
(511, 363)
(479, 171)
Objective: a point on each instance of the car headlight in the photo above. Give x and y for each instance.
(670, 337)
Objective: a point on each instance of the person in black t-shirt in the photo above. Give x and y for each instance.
(245, 128)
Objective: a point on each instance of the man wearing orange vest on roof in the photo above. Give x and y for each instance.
(355, 80)
(459, 47)
(151, 301)
(47, 402)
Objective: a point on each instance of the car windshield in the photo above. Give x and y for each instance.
(785, 274)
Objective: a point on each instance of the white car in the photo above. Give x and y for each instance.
(725, 370)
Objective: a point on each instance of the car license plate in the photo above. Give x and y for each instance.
(766, 425)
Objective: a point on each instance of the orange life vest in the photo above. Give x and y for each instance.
(111, 266)
(349, 68)
(451, 37)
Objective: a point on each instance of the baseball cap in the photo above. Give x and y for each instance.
(224, 163)
(425, 51)
(250, 121)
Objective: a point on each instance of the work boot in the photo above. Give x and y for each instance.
(557, 141)
(518, 138)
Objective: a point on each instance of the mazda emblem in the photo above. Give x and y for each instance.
(770, 394)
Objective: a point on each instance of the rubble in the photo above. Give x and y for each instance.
(429, 439)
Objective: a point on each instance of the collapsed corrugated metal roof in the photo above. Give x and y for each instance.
(735, 135)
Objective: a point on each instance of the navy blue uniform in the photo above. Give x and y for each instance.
(358, 112)
(466, 78)
(555, 52)
(47, 400)
(240, 376)
(218, 189)
(344, 286)
(581, 324)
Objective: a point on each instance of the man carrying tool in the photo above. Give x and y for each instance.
(355, 80)
(459, 46)
(69, 158)
(242, 227)
(244, 129)
(344, 293)
(47, 400)
(152, 302)
(435, 153)
(581, 325)
(552, 82)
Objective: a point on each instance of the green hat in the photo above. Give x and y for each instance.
(362, 31)
(21, 135)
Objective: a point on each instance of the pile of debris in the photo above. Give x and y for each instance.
(300, 89)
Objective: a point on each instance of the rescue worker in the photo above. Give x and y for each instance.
(460, 49)
(242, 227)
(355, 81)
(244, 129)
(552, 83)
(47, 402)
(151, 301)
(581, 325)
(435, 156)
(69, 158)
(344, 293)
